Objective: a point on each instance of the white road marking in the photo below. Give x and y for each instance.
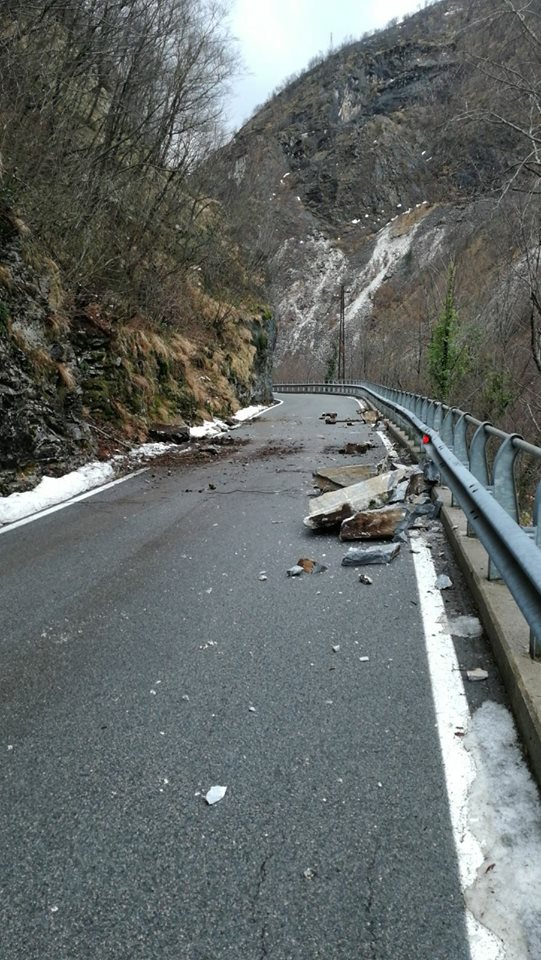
(387, 443)
(452, 714)
(68, 503)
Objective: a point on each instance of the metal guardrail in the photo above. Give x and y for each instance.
(486, 492)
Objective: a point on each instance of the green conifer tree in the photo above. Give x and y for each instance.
(447, 356)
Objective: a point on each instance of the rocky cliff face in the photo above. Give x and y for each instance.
(359, 173)
(74, 375)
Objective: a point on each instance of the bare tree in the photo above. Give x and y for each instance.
(107, 108)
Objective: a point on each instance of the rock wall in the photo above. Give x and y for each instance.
(72, 373)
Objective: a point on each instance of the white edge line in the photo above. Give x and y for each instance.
(452, 715)
(67, 503)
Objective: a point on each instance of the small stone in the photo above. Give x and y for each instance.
(465, 627)
(477, 674)
(443, 582)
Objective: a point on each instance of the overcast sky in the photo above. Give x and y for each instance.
(279, 37)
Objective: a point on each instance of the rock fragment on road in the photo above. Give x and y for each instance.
(215, 794)
(377, 554)
(477, 674)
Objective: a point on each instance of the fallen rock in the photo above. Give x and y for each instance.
(379, 524)
(400, 493)
(311, 566)
(477, 674)
(431, 472)
(364, 556)
(352, 448)
(330, 509)
(330, 519)
(295, 571)
(417, 484)
(443, 582)
(336, 477)
(465, 627)
(169, 432)
(215, 794)
(371, 416)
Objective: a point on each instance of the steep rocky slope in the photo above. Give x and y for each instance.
(75, 375)
(361, 173)
(123, 298)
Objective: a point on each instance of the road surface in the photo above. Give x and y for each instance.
(144, 661)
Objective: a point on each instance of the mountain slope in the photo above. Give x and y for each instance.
(378, 169)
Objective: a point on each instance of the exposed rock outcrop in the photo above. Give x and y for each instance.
(73, 375)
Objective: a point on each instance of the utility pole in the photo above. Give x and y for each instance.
(342, 336)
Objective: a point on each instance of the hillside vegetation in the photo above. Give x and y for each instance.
(405, 166)
(123, 298)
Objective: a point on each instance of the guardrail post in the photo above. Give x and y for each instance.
(478, 454)
(438, 417)
(535, 633)
(447, 433)
(460, 440)
(503, 487)
(430, 414)
(478, 460)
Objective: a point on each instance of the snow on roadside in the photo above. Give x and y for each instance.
(209, 428)
(505, 817)
(147, 451)
(248, 413)
(51, 491)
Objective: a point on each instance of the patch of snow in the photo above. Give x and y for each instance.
(355, 221)
(247, 413)
(505, 816)
(209, 428)
(53, 490)
(148, 451)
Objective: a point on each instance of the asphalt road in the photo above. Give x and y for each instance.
(135, 637)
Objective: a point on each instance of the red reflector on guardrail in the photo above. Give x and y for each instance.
(426, 438)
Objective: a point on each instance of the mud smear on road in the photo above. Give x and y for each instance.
(281, 450)
(219, 449)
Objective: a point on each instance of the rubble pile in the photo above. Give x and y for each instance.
(373, 503)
